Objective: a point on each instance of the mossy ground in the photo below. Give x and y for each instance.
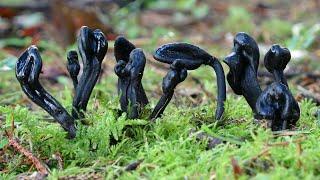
(110, 142)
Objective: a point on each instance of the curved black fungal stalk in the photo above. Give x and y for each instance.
(183, 57)
(92, 47)
(175, 76)
(276, 61)
(129, 68)
(73, 67)
(243, 63)
(28, 68)
(276, 102)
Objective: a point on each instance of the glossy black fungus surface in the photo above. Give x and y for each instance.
(92, 47)
(73, 67)
(276, 102)
(28, 68)
(187, 55)
(129, 69)
(174, 76)
(183, 57)
(243, 64)
(276, 61)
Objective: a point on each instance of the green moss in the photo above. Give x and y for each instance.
(166, 147)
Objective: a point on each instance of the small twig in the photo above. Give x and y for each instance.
(289, 133)
(18, 147)
(237, 171)
(31, 167)
(299, 151)
(286, 143)
(306, 93)
(35, 161)
(262, 153)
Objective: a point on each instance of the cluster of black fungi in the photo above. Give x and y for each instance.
(274, 104)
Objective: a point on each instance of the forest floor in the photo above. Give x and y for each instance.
(186, 142)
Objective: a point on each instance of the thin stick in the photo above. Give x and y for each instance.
(306, 93)
(237, 171)
(17, 146)
(35, 161)
(289, 133)
(286, 143)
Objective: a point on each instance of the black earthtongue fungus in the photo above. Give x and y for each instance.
(175, 76)
(73, 67)
(276, 61)
(183, 57)
(28, 68)
(276, 103)
(129, 68)
(243, 63)
(92, 47)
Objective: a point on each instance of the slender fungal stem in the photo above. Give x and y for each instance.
(169, 83)
(279, 77)
(28, 68)
(243, 63)
(129, 69)
(276, 60)
(73, 67)
(251, 89)
(92, 48)
(161, 105)
(135, 92)
(189, 57)
(221, 85)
